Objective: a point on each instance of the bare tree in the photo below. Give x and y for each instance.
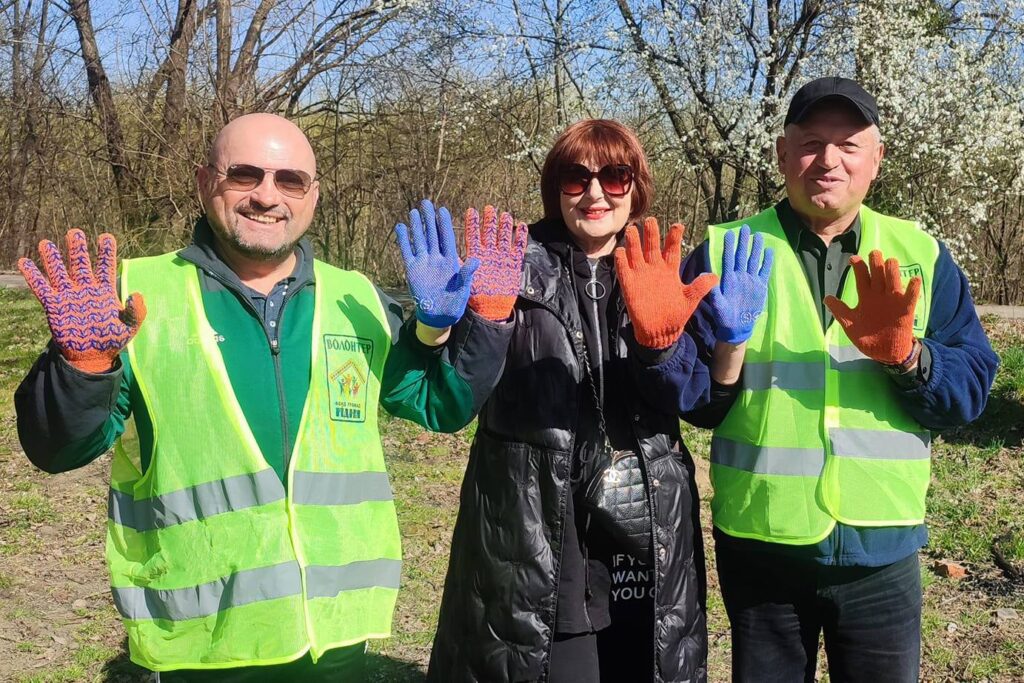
(28, 25)
(102, 97)
(320, 36)
(285, 46)
(102, 120)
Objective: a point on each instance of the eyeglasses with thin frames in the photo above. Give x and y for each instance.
(291, 182)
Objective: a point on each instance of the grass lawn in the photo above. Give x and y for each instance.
(57, 622)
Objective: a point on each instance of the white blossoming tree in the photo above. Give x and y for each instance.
(948, 84)
(707, 82)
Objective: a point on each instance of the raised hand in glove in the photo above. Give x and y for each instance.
(499, 245)
(740, 297)
(882, 325)
(87, 322)
(659, 304)
(439, 281)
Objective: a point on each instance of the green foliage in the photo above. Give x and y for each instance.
(1011, 375)
(24, 336)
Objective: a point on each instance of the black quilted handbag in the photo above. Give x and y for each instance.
(616, 492)
(616, 496)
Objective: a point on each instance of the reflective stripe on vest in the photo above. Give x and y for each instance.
(212, 564)
(817, 434)
(241, 588)
(243, 491)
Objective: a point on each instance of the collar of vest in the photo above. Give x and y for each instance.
(794, 227)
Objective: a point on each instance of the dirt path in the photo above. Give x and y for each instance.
(1005, 312)
(11, 279)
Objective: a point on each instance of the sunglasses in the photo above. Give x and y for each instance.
(615, 179)
(291, 182)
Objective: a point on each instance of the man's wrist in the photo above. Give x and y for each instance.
(431, 336)
(910, 362)
(90, 368)
(727, 362)
(731, 338)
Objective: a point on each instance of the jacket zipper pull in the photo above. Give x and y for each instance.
(275, 348)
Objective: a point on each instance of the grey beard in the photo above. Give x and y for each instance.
(260, 253)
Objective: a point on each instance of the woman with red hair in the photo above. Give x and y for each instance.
(538, 586)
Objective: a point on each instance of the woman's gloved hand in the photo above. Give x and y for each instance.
(659, 304)
(499, 245)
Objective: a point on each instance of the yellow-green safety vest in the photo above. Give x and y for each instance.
(817, 433)
(212, 563)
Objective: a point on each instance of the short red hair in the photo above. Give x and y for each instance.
(600, 142)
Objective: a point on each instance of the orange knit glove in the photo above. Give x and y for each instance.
(87, 321)
(499, 244)
(882, 325)
(659, 304)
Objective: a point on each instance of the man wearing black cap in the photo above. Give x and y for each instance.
(820, 457)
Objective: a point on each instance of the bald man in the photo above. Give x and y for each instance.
(252, 533)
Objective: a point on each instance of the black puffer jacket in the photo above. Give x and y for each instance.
(498, 609)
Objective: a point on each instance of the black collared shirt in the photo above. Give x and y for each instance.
(824, 265)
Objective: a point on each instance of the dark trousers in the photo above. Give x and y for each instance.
(601, 656)
(574, 659)
(341, 665)
(779, 606)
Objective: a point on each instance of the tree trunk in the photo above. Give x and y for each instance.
(177, 63)
(103, 99)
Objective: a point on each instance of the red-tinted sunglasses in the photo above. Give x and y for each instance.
(615, 179)
(291, 182)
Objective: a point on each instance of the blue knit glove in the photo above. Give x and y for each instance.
(743, 290)
(438, 280)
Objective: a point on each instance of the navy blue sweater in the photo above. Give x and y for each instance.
(949, 388)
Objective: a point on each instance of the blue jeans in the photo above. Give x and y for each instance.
(778, 606)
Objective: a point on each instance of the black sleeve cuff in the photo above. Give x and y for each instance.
(720, 402)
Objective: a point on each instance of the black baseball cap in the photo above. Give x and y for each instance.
(831, 87)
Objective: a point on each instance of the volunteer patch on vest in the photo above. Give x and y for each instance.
(348, 365)
(907, 273)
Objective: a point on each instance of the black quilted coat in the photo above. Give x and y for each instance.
(498, 609)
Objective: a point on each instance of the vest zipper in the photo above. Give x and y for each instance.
(275, 351)
(655, 569)
(282, 400)
(587, 593)
(599, 372)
